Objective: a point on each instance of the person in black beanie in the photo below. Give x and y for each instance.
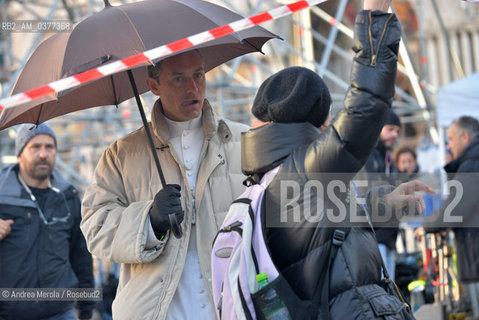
(307, 150)
(293, 95)
(380, 160)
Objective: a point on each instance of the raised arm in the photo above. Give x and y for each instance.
(347, 143)
(381, 5)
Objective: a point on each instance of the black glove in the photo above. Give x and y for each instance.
(166, 201)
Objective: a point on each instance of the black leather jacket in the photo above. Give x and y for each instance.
(298, 247)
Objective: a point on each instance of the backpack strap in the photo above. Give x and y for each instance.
(268, 177)
(386, 276)
(244, 262)
(259, 178)
(251, 180)
(337, 239)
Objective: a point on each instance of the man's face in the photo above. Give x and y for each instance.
(37, 159)
(458, 140)
(181, 86)
(406, 162)
(389, 134)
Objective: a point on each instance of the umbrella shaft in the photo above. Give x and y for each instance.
(147, 127)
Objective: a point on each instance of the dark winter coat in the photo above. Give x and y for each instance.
(375, 169)
(377, 160)
(299, 246)
(465, 205)
(35, 255)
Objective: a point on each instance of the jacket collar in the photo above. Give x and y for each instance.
(470, 152)
(160, 127)
(10, 186)
(266, 147)
(381, 147)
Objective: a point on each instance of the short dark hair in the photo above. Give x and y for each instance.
(154, 70)
(404, 149)
(468, 124)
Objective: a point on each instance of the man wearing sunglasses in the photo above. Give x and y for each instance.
(41, 245)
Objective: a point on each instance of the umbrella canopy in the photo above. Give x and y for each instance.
(114, 33)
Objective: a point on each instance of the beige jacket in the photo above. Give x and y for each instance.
(115, 210)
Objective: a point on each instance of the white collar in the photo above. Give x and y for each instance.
(176, 128)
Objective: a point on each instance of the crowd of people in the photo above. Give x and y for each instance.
(45, 242)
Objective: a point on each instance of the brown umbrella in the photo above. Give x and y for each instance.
(118, 32)
(114, 33)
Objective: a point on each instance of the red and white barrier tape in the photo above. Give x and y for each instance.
(137, 59)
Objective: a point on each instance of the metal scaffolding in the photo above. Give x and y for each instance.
(231, 87)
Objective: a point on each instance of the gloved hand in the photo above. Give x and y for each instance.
(166, 201)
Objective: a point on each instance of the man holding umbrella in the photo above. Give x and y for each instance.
(126, 209)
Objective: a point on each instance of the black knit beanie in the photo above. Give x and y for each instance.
(295, 94)
(393, 119)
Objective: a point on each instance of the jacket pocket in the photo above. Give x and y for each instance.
(277, 300)
(383, 305)
(19, 236)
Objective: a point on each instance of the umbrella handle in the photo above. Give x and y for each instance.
(175, 226)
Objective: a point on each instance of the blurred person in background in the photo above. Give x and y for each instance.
(407, 168)
(463, 137)
(41, 245)
(448, 156)
(380, 160)
(405, 159)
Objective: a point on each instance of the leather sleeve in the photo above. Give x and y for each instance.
(346, 144)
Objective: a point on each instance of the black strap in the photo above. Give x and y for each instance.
(253, 179)
(386, 276)
(337, 239)
(383, 266)
(247, 313)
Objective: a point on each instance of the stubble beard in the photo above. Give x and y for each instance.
(41, 174)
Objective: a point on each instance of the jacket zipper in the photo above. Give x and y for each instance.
(166, 282)
(29, 225)
(374, 55)
(235, 226)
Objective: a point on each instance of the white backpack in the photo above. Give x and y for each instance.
(240, 253)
